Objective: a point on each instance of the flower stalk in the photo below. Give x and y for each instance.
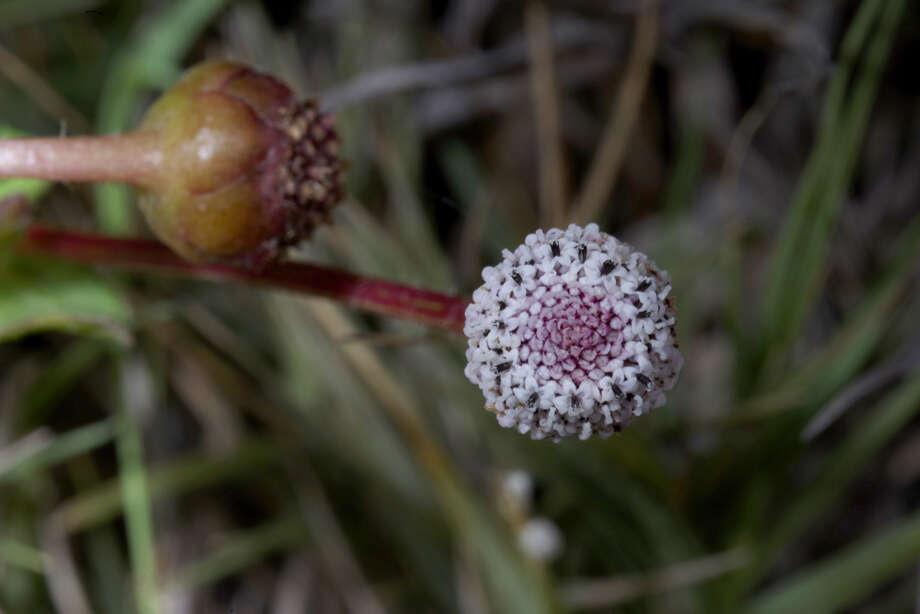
(133, 158)
(441, 311)
(230, 167)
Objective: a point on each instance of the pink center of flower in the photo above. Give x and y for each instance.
(571, 335)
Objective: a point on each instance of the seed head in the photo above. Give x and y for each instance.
(247, 169)
(587, 342)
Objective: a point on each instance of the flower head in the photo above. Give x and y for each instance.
(248, 170)
(572, 334)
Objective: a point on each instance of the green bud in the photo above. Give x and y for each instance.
(244, 169)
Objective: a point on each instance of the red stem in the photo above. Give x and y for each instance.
(367, 294)
(134, 158)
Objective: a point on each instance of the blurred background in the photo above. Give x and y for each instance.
(169, 446)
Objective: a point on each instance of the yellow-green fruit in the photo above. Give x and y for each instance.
(245, 169)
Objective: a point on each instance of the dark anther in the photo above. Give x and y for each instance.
(500, 325)
(576, 402)
(516, 277)
(642, 314)
(554, 246)
(644, 380)
(532, 399)
(607, 267)
(502, 304)
(502, 367)
(617, 392)
(643, 285)
(582, 253)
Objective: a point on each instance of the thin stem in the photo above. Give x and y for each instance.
(367, 294)
(127, 158)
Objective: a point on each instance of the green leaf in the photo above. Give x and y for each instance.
(39, 296)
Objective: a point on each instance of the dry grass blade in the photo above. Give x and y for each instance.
(591, 594)
(447, 107)
(381, 340)
(331, 541)
(546, 114)
(403, 412)
(903, 362)
(29, 445)
(64, 586)
(440, 74)
(515, 587)
(603, 172)
(223, 430)
(38, 90)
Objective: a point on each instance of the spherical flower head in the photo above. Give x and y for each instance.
(572, 334)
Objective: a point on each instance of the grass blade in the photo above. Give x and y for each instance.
(843, 580)
(135, 493)
(801, 252)
(844, 465)
(242, 552)
(22, 556)
(184, 474)
(846, 352)
(59, 449)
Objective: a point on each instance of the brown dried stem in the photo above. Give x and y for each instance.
(604, 169)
